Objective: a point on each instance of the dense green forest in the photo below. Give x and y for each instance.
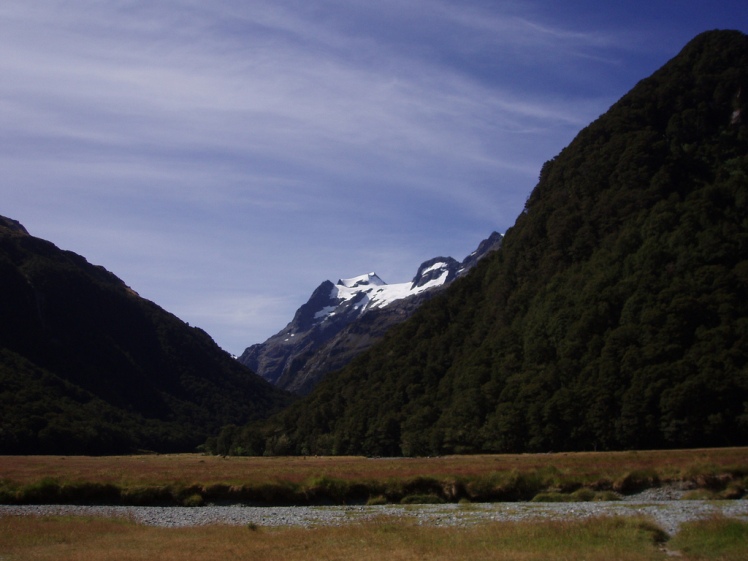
(614, 317)
(89, 367)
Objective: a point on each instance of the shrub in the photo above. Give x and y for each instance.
(86, 492)
(146, 495)
(635, 481)
(428, 499)
(217, 492)
(328, 489)
(483, 487)
(45, 491)
(422, 485)
(521, 486)
(583, 495)
(734, 490)
(551, 497)
(700, 495)
(276, 493)
(7, 491)
(196, 499)
(606, 496)
(377, 501)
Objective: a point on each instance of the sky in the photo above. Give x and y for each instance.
(224, 158)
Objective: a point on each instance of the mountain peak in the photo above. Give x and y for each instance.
(327, 318)
(435, 272)
(369, 279)
(13, 226)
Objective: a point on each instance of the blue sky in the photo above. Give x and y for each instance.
(224, 158)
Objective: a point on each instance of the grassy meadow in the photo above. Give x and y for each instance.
(194, 479)
(608, 539)
(197, 479)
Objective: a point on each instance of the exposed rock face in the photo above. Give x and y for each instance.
(341, 320)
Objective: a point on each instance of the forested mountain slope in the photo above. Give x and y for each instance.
(615, 315)
(89, 367)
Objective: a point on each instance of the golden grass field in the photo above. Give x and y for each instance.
(194, 480)
(602, 539)
(105, 539)
(207, 470)
(78, 538)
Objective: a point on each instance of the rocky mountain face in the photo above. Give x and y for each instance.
(340, 320)
(89, 367)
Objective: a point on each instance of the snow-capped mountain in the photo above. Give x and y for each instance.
(329, 330)
(358, 295)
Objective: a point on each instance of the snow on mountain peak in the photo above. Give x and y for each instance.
(370, 279)
(353, 297)
(369, 292)
(434, 267)
(295, 353)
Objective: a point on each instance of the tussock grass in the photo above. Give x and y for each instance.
(194, 479)
(68, 538)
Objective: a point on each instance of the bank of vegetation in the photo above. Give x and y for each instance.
(194, 480)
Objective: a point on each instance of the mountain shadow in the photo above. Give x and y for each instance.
(89, 367)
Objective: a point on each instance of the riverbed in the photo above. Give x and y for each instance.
(668, 514)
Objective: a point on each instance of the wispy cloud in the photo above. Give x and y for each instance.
(281, 143)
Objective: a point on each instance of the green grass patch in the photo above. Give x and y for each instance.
(720, 538)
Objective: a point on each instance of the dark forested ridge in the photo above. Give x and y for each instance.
(89, 367)
(615, 315)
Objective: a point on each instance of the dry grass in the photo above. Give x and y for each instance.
(79, 539)
(206, 470)
(175, 479)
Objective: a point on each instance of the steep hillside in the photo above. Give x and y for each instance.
(341, 320)
(615, 315)
(87, 366)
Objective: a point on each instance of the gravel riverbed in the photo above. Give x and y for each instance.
(668, 512)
